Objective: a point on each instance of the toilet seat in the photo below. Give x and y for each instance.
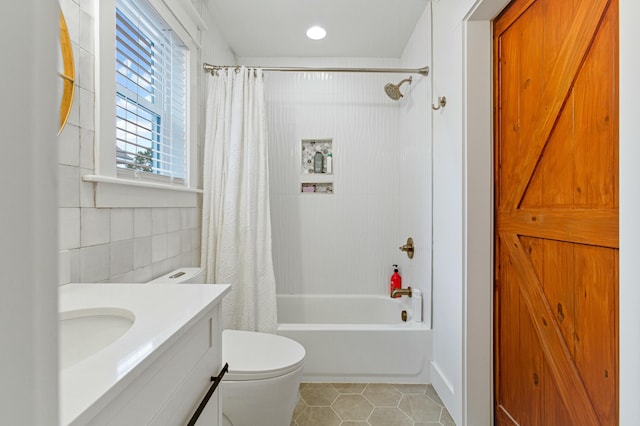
(259, 356)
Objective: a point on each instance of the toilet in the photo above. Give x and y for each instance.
(261, 386)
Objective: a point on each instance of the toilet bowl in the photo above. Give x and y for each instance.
(261, 385)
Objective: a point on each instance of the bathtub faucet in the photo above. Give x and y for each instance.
(401, 292)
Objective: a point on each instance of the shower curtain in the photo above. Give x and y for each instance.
(236, 223)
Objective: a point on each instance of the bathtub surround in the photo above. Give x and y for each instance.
(343, 243)
(236, 223)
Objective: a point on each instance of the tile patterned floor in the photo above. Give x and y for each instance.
(362, 404)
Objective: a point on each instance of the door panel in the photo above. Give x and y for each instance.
(556, 195)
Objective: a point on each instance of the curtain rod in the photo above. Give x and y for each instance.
(422, 71)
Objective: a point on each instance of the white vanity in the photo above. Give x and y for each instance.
(135, 354)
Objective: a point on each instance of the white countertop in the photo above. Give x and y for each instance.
(162, 314)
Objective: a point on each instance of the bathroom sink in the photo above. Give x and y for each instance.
(84, 332)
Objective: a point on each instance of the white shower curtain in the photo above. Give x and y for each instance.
(236, 223)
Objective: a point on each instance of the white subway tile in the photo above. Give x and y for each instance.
(74, 114)
(195, 258)
(185, 259)
(86, 74)
(121, 224)
(94, 263)
(89, 7)
(141, 252)
(184, 217)
(121, 257)
(127, 277)
(160, 268)
(158, 247)
(68, 228)
(190, 217)
(174, 263)
(87, 109)
(185, 241)
(68, 186)
(69, 146)
(143, 275)
(173, 244)
(87, 138)
(159, 221)
(141, 222)
(194, 218)
(95, 226)
(87, 33)
(75, 48)
(174, 219)
(196, 238)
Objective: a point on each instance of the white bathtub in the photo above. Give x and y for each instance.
(352, 338)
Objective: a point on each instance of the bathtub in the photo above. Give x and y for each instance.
(353, 338)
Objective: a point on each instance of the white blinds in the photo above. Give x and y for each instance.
(151, 98)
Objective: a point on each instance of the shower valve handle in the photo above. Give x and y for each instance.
(408, 248)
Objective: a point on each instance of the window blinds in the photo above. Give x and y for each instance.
(151, 98)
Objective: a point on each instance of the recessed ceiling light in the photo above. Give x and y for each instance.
(316, 33)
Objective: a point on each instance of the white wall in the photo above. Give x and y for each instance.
(446, 373)
(629, 213)
(28, 304)
(455, 68)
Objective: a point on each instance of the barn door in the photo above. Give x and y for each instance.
(556, 213)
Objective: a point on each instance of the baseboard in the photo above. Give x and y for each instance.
(443, 386)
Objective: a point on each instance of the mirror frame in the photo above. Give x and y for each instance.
(67, 75)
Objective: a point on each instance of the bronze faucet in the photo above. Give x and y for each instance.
(401, 292)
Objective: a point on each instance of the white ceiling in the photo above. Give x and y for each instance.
(355, 28)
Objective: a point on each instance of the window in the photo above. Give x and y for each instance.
(147, 99)
(151, 94)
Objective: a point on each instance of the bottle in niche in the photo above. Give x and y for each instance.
(329, 165)
(318, 162)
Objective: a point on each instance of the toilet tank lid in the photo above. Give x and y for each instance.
(179, 276)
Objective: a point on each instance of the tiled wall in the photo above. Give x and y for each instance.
(347, 242)
(108, 245)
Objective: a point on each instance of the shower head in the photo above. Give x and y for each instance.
(393, 90)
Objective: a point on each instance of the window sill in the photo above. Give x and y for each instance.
(112, 192)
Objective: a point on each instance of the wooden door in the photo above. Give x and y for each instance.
(556, 213)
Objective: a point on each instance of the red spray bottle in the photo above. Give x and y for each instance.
(395, 281)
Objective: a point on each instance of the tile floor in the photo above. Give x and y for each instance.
(353, 404)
